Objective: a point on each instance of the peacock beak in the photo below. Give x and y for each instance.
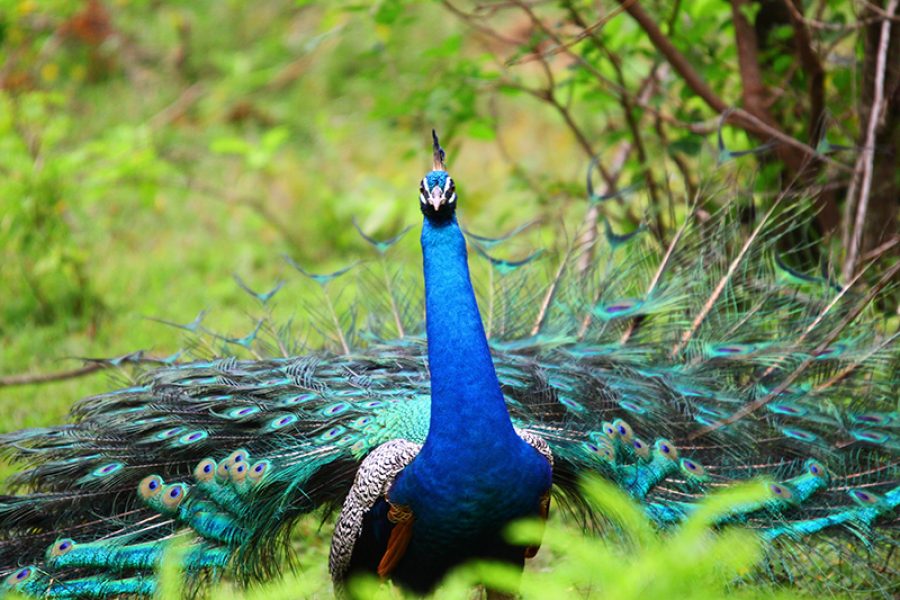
(436, 199)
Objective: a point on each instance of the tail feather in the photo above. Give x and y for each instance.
(641, 369)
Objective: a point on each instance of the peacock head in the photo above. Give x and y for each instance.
(437, 192)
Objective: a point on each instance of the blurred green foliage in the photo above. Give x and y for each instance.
(152, 149)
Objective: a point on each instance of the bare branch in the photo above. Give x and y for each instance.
(587, 31)
(739, 117)
(813, 68)
(91, 366)
(675, 58)
(32, 378)
(865, 163)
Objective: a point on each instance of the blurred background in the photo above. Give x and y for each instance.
(151, 150)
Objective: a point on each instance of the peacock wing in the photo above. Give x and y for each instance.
(226, 454)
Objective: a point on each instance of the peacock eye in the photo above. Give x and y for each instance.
(258, 471)
(205, 470)
(816, 468)
(173, 495)
(61, 547)
(864, 498)
(20, 576)
(150, 486)
(781, 491)
(666, 449)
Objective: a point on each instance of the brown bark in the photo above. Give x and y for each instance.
(884, 201)
(754, 92)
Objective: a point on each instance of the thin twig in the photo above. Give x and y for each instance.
(617, 164)
(813, 68)
(854, 365)
(743, 119)
(866, 160)
(877, 252)
(92, 366)
(587, 31)
(30, 378)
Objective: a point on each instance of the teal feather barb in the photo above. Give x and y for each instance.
(670, 372)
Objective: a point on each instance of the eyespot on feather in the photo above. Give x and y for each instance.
(333, 433)
(241, 412)
(632, 406)
(781, 491)
(666, 449)
(259, 470)
(335, 409)
(602, 451)
(640, 448)
(788, 409)
(173, 495)
(623, 430)
(239, 455)
(295, 400)
(882, 419)
(192, 437)
(107, 469)
(692, 468)
(609, 430)
(619, 309)
(361, 422)
(864, 498)
(870, 436)
(281, 422)
(170, 433)
(731, 350)
(150, 486)
(799, 434)
(205, 470)
(814, 467)
(60, 547)
(570, 403)
(238, 472)
(21, 576)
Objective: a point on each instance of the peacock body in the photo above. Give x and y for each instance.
(670, 371)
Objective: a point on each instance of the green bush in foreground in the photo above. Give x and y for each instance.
(635, 561)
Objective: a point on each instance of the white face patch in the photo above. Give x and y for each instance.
(438, 194)
(423, 187)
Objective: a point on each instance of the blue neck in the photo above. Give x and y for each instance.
(467, 407)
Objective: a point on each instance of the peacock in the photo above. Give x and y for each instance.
(669, 369)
